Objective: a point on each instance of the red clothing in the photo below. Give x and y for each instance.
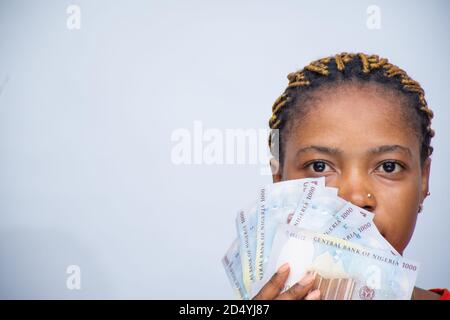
(444, 293)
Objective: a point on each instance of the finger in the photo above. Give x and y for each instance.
(274, 286)
(313, 295)
(300, 289)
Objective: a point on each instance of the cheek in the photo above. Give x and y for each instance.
(396, 215)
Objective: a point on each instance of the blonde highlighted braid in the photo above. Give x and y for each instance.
(349, 66)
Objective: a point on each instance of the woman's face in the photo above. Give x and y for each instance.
(360, 141)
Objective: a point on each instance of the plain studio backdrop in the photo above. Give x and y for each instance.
(93, 93)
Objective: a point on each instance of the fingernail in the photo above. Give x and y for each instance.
(307, 279)
(313, 295)
(283, 268)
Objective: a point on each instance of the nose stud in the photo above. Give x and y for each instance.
(369, 195)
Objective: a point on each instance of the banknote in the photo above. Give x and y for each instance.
(346, 219)
(344, 270)
(276, 202)
(309, 197)
(246, 221)
(233, 268)
(356, 224)
(366, 234)
(320, 212)
(317, 210)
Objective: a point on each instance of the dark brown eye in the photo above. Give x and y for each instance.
(389, 166)
(319, 166)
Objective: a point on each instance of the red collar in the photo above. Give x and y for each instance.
(444, 293)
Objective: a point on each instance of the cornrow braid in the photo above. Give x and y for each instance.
(337, 69)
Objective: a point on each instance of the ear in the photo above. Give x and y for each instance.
(276, 171)
(425, 177)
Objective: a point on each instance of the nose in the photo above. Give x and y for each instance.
(356, 188)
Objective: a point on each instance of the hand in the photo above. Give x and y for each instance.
(299, 291)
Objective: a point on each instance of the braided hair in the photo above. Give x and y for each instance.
(334, 71)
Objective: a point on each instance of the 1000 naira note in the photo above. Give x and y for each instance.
(275, 203)
(233, 268)
(246, 222)
(344, 270)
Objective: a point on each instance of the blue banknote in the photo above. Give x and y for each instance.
(344, 270)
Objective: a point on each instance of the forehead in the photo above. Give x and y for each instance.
(355, 118)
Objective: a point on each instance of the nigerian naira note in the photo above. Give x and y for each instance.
(232, 264)
(276, 202)
(246, 220)
(344, 270)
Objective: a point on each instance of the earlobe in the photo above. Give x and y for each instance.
(276, 172)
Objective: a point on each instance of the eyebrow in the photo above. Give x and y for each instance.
(321, 149)
(391, 148)
(374, 151)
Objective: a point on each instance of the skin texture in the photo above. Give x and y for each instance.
(350, 133)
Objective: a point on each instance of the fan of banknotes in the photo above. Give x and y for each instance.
(306, 224)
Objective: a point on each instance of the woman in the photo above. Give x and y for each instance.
(365, 125)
